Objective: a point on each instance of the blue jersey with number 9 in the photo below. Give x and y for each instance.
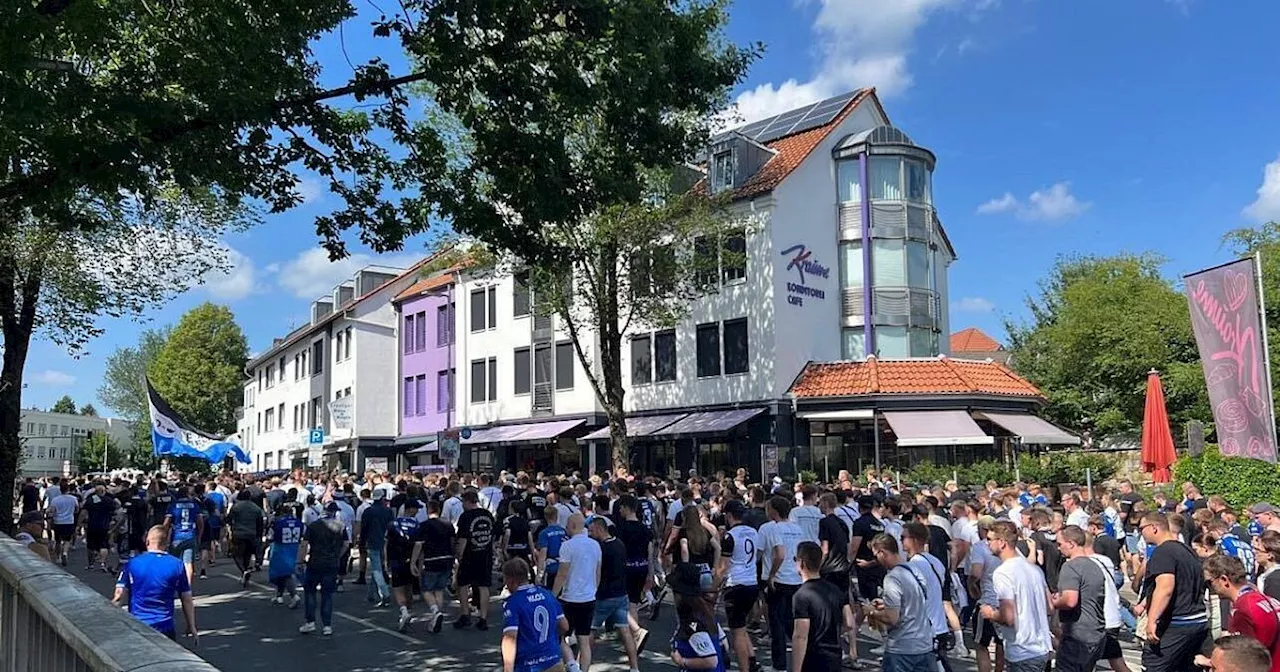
(184, 513)
(533, 613)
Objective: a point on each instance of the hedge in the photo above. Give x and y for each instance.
(1242, 481)
(1048, 469)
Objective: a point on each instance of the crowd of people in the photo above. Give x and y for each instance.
(804, 571)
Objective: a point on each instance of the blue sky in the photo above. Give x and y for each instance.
(1089, 126)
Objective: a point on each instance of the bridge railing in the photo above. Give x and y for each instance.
(51, 622)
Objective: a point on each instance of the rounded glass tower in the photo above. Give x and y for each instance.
(893, 253)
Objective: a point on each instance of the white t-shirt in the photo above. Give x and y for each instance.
(1079, 518)
(1111, 603)
(929, 570)
(451, 511)
(563, 511)
(1023, 583)
(582, 554)
(964, 530)
(387, 488)
(64, 509)
(787, 535)
(348, 517)
(808, 518)
(490, 497)
(981, 554)
(674, 510)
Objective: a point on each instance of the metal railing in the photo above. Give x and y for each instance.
(51, 622)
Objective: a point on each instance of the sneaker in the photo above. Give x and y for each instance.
(462, 622)
(960, 650)
(277, 600)
(307, 628)
(203, 575)
(405, 619)
(482, 624)
(641, 639)
(382, 603)
(327, 631)
(293, 603)
(437, 622)
(342, 588)
(63, 560)
(657, 603)
(244, 579)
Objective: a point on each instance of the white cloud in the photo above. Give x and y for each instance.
(311, 190)
(967, 44)
(311, 274)
(973, 304)
(238, 280)
(860, 43)
(1267, 206)
(52, 378)
(1056, 203)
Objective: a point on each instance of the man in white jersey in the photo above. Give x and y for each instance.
(808, 516)
(779, 539)
(736, 571)
(930, 571)
(451, 511)
(1022, 617)
(62, 511)
(490, 496)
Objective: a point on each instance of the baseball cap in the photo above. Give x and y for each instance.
(1261, 507)
(777, 480)
(379, 494)
(734, 508)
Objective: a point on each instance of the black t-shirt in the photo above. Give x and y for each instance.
(1049, 557)
(437, 545)
(1109, 547)
(940, 544)
(477, 527)
(1127, 501)
(518, 542)
(866, 527)
(257, 495)
(833, 531)
(160, 506)
(822, 603)
(136, 515)
(635, 537)
(402, 534)
(100, 509)
(534, 503)
(613, 569)
(30, 498)
(1174, 557)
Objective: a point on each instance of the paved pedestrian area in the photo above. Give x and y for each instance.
(242, 631)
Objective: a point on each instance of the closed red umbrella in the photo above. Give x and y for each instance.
(1157, 441)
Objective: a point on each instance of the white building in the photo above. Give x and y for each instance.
(51, 441)
(337, 374)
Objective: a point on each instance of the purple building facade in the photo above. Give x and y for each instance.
(427, 343)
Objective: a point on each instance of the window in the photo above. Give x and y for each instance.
(853, 343)
(722, 171)
(305, 355)
(410, 398)
(849, 180)
(477, 381)
(346, 347)
(478, 312)
(493, 379)
(31, 428)
(297, 367)
(444, 325)
(705, 264)
(420, 393)
(271, 376)
(337, 346)
(42, 428)
(736, 350)
(884, 173)
(409, 334)
(891, 342)
(280, 417)
(259, 380)
(542, 366)
(523, 369)
(851, 265)
(708, 337)
(260, 422)
(271, 419)
(315, 417)
(641, 360)
(917, 181)
(887, 265)
(662, 269)
(564, 366)
(281, 368)
(918, 265)
(420, 332)
(923, 343)
(346, 392)
(520, 298)
(664, 356)
(317, 357)
(734, 257)
(493, 307)
(444, 390)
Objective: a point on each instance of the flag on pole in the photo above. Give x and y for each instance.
(171, 436)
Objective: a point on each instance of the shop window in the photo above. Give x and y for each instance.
(664, 355)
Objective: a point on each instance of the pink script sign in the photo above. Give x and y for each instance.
(1224, 315)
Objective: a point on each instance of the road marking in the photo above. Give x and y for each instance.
(355, 619)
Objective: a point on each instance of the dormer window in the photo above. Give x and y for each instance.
(722, 171)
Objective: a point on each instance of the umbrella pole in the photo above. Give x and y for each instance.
(1266, 347)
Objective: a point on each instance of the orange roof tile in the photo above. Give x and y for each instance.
(910, 376)
(423, 286)
(974, 339)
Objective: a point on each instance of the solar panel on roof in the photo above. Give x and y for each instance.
(796, 121)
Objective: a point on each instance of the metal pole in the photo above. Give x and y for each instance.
(875, 433)
(1088, 482)
(826, 464)
(1266, 347)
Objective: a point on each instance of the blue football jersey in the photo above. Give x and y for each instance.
(533, 613)
(184, 512)
(693, 641)
(401, 535)
(286, 534)
(550, 539)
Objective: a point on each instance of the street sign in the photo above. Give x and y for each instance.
(316, 436)
(465, 432)
(340, 412)
(448, 445)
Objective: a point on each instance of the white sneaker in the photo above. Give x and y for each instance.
(307, 628)
(960, 650)
(327, 631)
(405, 619)
(293, 603)
(277, 600)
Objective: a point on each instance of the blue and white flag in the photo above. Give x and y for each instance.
(171, 436)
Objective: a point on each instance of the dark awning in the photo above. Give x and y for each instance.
(709, 422)
(523, 432)
(642, 425)
(414, 440)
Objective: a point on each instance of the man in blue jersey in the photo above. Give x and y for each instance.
(151, 581)
(185, 520)
(286, 535)
(533, 626)
(402, 536)
(547, 551)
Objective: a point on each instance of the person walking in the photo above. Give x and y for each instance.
(185, 521)
(901, 612)
(533, 626)
(929, 570)
(821, 610)
(779, 539)
(247, 522)
(1253, 614)
(150, 583)
(323, 545)
(1081, 602)
(436, 568)
(286, 537)
(611, 592)
(577, 580)
(403, 540)
(737, 572)
(1022, 614)
(374, 522)
(477, 532)
(1173, 583)
(30, 532)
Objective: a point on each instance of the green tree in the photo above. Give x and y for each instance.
(200, 369)
(64, 405)
(94, 448)
(124, 391)
(1098, 325)
(89, 410)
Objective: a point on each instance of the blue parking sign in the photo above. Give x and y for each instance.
(316, 436)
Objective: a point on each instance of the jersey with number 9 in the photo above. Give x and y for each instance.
(533, 613)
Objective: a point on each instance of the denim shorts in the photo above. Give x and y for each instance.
(1131, 542)
(436, 581)
(614, 609)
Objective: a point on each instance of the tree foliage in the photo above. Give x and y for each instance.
(200, 368)
(89, 455)
(1242, 481)
(64, 405)
(89, 410)
(124, 391)
(1097, 326)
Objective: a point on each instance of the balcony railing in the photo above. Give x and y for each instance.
(901, 306)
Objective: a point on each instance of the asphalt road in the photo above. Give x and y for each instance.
(242, 631)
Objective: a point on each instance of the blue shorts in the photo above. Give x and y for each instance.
(436, 581)
(615, 609)
(185, 549)
(1131, 542)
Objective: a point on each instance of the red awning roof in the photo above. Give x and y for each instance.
(910, 376)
